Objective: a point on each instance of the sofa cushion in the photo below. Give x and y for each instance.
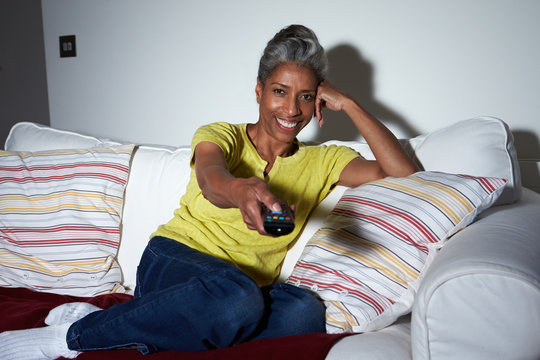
(60, 214)
(158, 179)
(368, 258)
(28, 136)
(482, 146)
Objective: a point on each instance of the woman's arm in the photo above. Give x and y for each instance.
(224, 190)
(391, 160)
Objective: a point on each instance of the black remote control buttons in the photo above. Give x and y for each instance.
(278, 223)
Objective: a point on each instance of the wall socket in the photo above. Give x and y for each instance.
(68, 47)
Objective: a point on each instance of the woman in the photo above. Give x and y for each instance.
(206, 278)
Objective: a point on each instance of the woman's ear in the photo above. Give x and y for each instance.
(259, 90)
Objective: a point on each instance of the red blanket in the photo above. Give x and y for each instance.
(23, 309)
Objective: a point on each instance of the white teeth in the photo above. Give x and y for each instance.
(286, 123)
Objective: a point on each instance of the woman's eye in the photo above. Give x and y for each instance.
(279, 91)
(307, 97)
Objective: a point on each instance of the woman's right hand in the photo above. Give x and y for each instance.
(224, 190)
(249, 195)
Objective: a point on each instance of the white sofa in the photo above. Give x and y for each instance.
(479, 299)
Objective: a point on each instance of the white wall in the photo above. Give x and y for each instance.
(153, 71)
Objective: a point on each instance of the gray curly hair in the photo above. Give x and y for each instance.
(297, 44)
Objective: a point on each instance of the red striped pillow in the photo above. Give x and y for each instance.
(60, 217)
(367, 259)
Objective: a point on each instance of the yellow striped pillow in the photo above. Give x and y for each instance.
(367, 258)
(60, 217)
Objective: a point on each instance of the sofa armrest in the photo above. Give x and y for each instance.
(480, 299)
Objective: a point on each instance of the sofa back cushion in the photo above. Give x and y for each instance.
(27, 136)
(481, 146)
(158, 179)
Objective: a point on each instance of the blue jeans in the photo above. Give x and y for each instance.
(189, 301)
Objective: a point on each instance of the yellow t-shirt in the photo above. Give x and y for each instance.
(303, 179)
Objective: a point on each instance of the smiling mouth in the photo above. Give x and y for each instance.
(287, 124)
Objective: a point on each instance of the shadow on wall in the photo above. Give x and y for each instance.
(354, 75)
(528, 151)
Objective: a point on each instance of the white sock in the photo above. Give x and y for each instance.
(69, 313)
(36, 344)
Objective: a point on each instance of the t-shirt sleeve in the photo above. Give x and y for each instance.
(336, 158)
(222, 134)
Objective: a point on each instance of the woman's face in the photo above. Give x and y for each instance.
(287, 101)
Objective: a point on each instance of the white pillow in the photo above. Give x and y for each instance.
(60, 213)
(367, 259)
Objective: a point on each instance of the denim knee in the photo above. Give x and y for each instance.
(291, 311)
(238, 309)
(166, 262)
(307, 311)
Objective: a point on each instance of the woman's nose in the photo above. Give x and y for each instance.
(293, 107)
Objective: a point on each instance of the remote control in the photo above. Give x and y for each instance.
(278, 223)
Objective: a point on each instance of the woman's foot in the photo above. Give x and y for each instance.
(41, 343)
(69, 313)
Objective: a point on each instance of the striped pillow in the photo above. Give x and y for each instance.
(367, 259)
(60, 219)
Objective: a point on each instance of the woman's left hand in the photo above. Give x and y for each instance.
(328, 96)
(391, 160)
